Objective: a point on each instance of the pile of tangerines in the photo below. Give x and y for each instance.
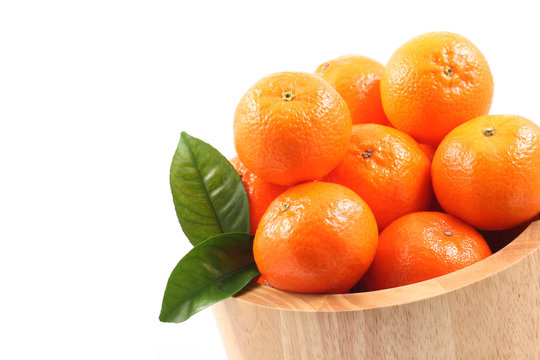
(371, 176)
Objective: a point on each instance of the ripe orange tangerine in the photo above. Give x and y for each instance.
(291, 127)
(315, 238)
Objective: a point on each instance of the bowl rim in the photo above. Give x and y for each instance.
(521, 247)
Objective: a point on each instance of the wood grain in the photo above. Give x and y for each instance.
(490, 310)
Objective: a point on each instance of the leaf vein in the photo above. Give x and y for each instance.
(193, 158)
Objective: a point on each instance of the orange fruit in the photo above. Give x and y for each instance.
(356, 78)
(315, 238)
(423, 245)
(260, 193)
(487, 171)
(291, 127)
(434, 83)
(387, 168)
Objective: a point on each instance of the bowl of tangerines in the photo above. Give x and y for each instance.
(371, 212)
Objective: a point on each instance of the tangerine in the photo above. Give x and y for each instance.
(389, 171)
(291, 127)
(260, 193)
(316, 237)
(356, 78)
(487, 171)
(423, 245)
(433, 83)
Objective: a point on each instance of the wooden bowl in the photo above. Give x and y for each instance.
(490, 310)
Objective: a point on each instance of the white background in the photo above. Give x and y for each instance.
(93, 96)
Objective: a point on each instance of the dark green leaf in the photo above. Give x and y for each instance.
(208, 193)
(212, 271)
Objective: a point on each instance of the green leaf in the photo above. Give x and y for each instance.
(208, 193)
(212, 271)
